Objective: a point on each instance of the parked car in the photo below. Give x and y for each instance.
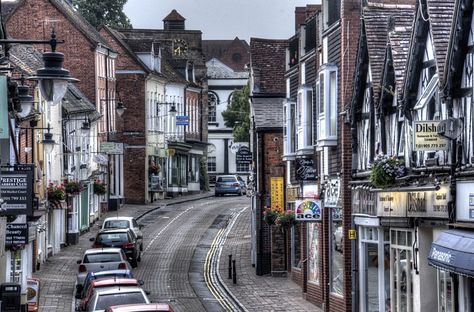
(100, 259)
(91, 276)
(230, 184)
(110, 296)
(120, 238)
(125, 223)
(150, 307)
(106, 282)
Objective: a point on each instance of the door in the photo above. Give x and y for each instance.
(401, 270)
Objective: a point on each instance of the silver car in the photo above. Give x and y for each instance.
(111, 296)
(125, 223)
(100, 259)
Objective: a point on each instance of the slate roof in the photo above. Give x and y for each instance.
(69, 12)
(269, 57)
(268, 112)
(223, 50)
(174, 16)
(376, 20)
(217, 69)
(441, 13)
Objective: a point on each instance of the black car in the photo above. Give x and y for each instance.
(120, 238)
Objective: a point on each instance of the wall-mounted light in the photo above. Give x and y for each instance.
(86, 126)
(48, 142)
(120, 109)
(26, 101)
(173, 110)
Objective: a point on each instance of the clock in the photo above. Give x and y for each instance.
(180, 47)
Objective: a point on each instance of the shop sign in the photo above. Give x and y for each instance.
(440, 255)
(310, 191)
(363, 201)
(332, 193)
(465, 201)
(391, 204)
(111, 148)
(292, 193)
(277, 195)
(352, 234)
(16, 189)
(16, 234)
(308, 210)
(182, 120)
(32, 292)
(430, 204)
(243, 155)
(305, 169)
(426, 137)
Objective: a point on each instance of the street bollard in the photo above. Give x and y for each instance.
(230, 267)
(234, 273)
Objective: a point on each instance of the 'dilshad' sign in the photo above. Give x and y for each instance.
(426, 137)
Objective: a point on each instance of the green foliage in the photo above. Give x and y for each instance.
(203, 175)
(385, 170)
(56, 192)
(99, 187)
(103, 12)
(74, 187)
(237, 115)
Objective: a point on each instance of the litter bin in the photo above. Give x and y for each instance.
(10, 295)
(114, 204)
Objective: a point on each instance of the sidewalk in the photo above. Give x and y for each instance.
(257, 293)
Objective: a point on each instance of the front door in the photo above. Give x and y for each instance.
(401, 270)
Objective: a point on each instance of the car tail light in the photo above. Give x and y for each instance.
(236, 184)
(128, 245)
(82, 268)
(122, 266)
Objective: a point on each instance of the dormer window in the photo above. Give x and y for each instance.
(326, 103)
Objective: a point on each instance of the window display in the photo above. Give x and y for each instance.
(337, 261)
(313, 253)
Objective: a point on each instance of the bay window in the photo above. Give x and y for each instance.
(289, 130)
(305, 118)
(327, 106)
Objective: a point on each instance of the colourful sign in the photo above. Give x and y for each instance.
(308, 210)
(277, 195)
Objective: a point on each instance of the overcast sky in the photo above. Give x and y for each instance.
(222, 19)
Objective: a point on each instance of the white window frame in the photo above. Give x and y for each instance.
(328, 100)
(288, 138)
(305, 122)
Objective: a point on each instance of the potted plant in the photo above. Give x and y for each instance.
(385, 170)
(56, 194)
(99, 187)
(73, 187)
(286, 219)
(270, 216)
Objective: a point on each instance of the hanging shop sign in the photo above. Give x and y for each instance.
(111, 148)
(182, 120)
(363, 201)
(429, 204)
(16, 190)
(332, 193)
(310, 191)
(426, 137)
(392, 204)
(465, 201)
(292, 193)
(16, 234)
(305, 169)
(277, 196)
(308, 210)
(243, 155)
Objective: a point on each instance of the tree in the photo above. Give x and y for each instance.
(237, 115)
(103, 12)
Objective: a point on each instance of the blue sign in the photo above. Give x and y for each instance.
(182, 120)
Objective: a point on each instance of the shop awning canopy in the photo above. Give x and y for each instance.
(453, 251)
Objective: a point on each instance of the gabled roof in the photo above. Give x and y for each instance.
(217, 69)
(174, 16)
(69, 12)
(234, 53)
(268, 57)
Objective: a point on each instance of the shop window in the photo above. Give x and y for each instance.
(336, 258)
(193, 173)
(211, 164)
(296, 246)
(327, 105)
(242, 167)
(445, 292)
(16, 271)
(313, 253)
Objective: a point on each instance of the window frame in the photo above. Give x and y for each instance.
(327, 105)
(212, 114)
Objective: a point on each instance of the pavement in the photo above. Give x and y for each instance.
(256, 293)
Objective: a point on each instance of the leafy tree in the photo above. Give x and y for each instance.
(103, 12)
(237, 115)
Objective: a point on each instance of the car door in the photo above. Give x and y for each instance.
(137, 231)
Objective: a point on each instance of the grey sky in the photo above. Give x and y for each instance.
(222, 19)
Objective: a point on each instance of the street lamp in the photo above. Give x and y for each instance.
(48, 141)
(26, 100)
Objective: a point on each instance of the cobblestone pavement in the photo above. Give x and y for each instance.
(257, 293)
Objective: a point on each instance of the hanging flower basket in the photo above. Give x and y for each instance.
(56, 195)
(270, 216)
(385, 170)
(74, 188)
(286, 220)
(99, 187)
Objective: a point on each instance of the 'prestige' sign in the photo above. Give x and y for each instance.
(16, 189)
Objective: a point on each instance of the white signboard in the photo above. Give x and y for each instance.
(430, 204)
(392, 204)
(332, 193)
(426, 137)
(465, 201)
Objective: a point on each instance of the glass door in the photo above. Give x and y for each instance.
(371, 277)
(401, 270)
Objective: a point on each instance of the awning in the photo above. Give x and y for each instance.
(453, 251)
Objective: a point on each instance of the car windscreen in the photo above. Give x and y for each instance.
(226, 179)
(116, 224)
(107, 300)
(112, 237)
(102, 257)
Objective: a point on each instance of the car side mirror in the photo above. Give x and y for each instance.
(141, 282)
(79, 261)
(91, 239)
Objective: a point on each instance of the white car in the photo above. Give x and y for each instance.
(111, 296)
(125, 223)
(100, 259)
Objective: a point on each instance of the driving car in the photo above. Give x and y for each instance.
(110, 296)
(230, 184)
(91, 276)
(120, 238)
(106, 282)
(150, 307)
(100, 259)
(125, 223)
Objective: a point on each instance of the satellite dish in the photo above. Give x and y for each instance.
(450, 128)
